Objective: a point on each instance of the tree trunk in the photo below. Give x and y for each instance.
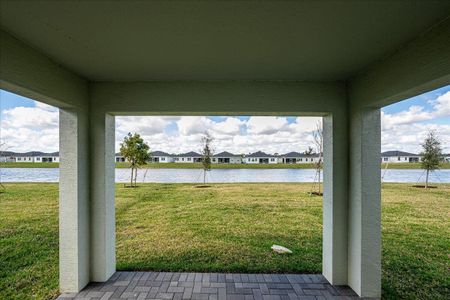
(426, 180)
(135, 176)
(319, 182)
(131, 177)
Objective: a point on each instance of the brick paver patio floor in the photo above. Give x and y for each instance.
(208, 286)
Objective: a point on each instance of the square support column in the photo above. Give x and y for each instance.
(103, 229)
(364, 223)
(334, 253)
(73, 201)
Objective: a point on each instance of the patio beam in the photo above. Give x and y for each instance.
(417, 67)
(218, 98)
(29, 73)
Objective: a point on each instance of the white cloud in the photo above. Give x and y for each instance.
(143, 125)
(30, 128)
(230, 126)
(306, 124)
(36, 128)
(442, 105)
(412, 115)
(193, 125)
(266, 125)
(408, 137)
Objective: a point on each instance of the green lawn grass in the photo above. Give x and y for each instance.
(228, 227)
(28, 165)
(445, 165)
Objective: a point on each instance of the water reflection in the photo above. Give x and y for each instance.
(216, 175)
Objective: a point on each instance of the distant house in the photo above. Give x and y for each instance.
(226, 158)
(119, 157)
(291, 157)
(7, 156)
(447, 157)
(161, 157)
(309, 158)
(260, 157)
(399, 157)
(36, 156)
(299, 158)
(189, 157)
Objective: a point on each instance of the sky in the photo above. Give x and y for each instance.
(28, 125)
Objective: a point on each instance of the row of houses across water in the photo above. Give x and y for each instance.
(224, 157)
(29, 157)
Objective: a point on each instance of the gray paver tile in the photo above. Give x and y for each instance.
(175, 289)
(187, 293)
(212, 286)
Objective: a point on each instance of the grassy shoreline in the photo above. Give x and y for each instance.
(214, 166)
(228, 227)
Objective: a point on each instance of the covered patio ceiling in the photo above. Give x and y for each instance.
(219, 40)
(339, 59)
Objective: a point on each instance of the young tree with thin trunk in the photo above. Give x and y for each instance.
(431, 154)
(137, 152)
(207, 154)
(318, 144)
(3, 148)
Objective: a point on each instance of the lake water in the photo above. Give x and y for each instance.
(216, 175)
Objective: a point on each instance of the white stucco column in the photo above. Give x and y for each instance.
(103, 256)
(364, 222)
(73, 201)
(334, 253)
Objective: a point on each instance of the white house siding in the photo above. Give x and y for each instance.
(251, 160)
(24, 159)
(187, 159)
(274, 160)
(46, 159)
(7, 159)
(232, 160)
(164, 159)
(260, 160)
(307, 160)
(400, 159)
(119, 158)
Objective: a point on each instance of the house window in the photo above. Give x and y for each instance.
(398, 158)
(385, 158)
(163, 158)
(189, 159)
(38, 158)
(406, 158)
(182, 159)
(272, 159)
(19, 158)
